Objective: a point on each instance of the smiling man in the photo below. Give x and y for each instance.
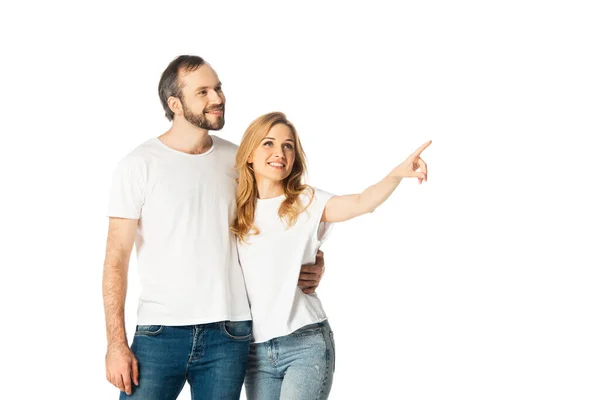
(174, 197)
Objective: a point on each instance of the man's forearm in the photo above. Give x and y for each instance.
(121, 236)
(114, 291)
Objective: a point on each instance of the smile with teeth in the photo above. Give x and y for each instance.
(216, 111)
(277, 165)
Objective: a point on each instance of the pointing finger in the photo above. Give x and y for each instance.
(418, 152)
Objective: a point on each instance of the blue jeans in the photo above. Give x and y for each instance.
(212, 358)
(298, 366)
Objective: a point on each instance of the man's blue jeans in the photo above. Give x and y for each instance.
(212, 358)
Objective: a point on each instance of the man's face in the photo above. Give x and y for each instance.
(203, 101)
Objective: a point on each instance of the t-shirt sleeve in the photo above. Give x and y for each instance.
(127, 190)
(322, 228)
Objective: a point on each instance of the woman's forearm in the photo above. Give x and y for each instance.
(373, 196)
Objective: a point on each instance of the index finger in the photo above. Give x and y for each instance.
(418, 152)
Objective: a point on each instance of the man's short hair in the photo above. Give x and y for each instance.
(169, 84)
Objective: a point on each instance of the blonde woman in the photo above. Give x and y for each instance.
(280, 224)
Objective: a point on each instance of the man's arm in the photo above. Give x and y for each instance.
(121, 365)
(311, 274)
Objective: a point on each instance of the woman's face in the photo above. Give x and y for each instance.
(274, 157)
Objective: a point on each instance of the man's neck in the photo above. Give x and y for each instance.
(187, 138)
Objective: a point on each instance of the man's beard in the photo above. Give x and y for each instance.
(201, 121)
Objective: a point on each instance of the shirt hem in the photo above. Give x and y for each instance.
(192, 321)
(122, 215)
(290, 331)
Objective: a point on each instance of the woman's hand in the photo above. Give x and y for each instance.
(413, 166)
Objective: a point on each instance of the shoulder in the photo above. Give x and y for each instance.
(226, 150)
(223, 144)
(138, 158)
(321, 196)
(315, 197)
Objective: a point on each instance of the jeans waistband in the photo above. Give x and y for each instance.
(313, 326)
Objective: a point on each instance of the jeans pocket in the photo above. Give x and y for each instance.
(148, 330)
(237, 330)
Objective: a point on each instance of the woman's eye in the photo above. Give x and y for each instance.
(289, 146)
(267, 143)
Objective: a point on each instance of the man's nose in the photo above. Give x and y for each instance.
(215, 98)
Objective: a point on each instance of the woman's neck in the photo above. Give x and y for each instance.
(267, 189)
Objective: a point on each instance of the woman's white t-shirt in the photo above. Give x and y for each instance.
(271, 264)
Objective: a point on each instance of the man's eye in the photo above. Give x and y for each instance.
(203, 93)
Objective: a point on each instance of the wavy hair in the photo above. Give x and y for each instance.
(247, 192)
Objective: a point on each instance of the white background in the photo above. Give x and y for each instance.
(481, 284)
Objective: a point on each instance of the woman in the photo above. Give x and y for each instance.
(280, 224)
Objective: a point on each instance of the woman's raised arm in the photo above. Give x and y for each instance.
(343, 208)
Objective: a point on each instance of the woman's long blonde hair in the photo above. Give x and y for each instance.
(247, 193)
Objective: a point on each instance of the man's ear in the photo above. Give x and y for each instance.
(175, 105)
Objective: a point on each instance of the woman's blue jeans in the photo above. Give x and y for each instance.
(298, 366)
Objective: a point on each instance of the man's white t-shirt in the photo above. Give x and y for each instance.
(187, 256)
(271, 263)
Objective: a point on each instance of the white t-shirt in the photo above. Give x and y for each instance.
(271, 262)
(187, 256)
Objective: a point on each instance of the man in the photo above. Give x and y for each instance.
(174, 196)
